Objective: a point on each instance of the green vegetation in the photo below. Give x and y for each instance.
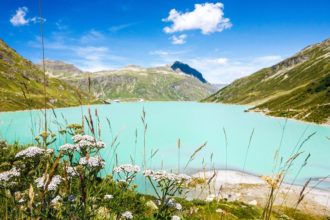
(75, 190)
(298, 87)
(133, 83)
(21, 85)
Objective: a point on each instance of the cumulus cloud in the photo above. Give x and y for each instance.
(207, 17)
(19, 19)
(181, 39)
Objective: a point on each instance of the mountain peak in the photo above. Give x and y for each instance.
(185, 68)
(60, 69)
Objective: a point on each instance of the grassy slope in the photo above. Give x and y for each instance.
(133, 82)
(298, 87)
(150, 86)
(22, 85)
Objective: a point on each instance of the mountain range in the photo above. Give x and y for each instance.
(297, 87)
(134, 82)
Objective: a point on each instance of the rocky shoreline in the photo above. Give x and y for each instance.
(253, 190)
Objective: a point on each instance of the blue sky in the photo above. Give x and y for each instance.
(224, 39)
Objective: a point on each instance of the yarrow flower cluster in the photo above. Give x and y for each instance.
(87, 141)
(53, 184)
(127, 215)
(68, 148)
(162, 175)
(128, 168)
(30, 152)
(171, 203)
(7, 175)
(77, 138)
(71, 171)
(94, 162)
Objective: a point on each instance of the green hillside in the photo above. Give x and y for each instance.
(298, 87)
(134, 82)
(21, 85)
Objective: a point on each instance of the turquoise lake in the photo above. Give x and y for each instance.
(194, 124)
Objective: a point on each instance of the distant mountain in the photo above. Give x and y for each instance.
(135, 82)
(185, 68)
(21, 85)
(298, 87)
(60, 69)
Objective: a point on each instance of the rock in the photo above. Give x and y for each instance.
(253, 202)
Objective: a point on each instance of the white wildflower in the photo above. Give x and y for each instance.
(162, 175)
(127, 215)
(30, 152)
(56, 200)
(7, 175)
(53, 184)
(178, 206)
(175, 217)
(95, 161)
(100, 144)
(148, 173)
(77, 138)
(68, 147)
(128, 168)
(108, 197)
(84, 144)
(170, 202)
(71, 171)
(86, 141)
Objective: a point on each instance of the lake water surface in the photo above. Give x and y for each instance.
(194, 124)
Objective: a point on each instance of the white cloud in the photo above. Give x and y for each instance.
(164, 53)
(61, 26)
(86, 52)
(207, 17)
(217, 69)
(19, 18)
(219, 61)
(270, 58)
(120, 27)
(92, 36)
(181, 39)
(224, 70)
(166, 56)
